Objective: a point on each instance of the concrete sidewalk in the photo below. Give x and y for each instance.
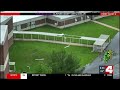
(93, 68)
(106, 25)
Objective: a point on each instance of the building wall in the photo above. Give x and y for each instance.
(51, 20)
(10, 25)
(6, 69)
(4, 48)
(78, 19)
(4, 58)
(5, 72)
(28, 24)
(39, 22)
(23, 26)
(10, 29)
(1, 54)
(10, 42)
(2, 75)
(61, 23)
(70, 21)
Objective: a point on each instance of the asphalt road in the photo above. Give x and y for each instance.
(93, 68)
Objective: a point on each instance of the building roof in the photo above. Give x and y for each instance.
(3, 18)
(59, 17)
(40, 33)
(3, 31)
(45, 11)
(98, 41)
(30, 11)
(91, 38)
(63, 16)
(24, 17)
(102, 36)
(68, 12)
(84, 11)
(66, 16)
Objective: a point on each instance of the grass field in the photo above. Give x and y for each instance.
(111, 20)
(89, 29)
(25, 53)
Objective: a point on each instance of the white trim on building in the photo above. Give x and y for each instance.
(3, 67)
(10, 35)
(3, 33)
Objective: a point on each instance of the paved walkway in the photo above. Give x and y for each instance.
(106, 25)
(94, 66)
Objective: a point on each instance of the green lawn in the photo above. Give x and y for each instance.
(89, 29)
(25, 53)
(111, 20)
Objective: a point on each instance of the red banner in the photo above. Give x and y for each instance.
(110, 13)
(13, 76)
(9, 13)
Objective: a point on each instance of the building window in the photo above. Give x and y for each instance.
(81, 18)
(25, 25)
(88, 17)
(29, 24)
(56, 23)
(32, 23)
(75, 20)
(15, 28)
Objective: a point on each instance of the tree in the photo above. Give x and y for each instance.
(43, 68)
(62, 63)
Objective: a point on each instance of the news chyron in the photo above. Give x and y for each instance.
(103, 71)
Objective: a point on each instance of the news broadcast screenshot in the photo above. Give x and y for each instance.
(59, 44)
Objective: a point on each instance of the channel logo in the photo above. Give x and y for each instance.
(106, 69)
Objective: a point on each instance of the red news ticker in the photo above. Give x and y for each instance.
(110, 13)
(13, 76)
(8, 13)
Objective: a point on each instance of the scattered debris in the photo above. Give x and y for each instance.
(28, 67)
(67, 46)
(40, 59)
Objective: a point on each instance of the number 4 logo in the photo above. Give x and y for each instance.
(108, 69)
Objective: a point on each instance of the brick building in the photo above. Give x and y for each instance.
(6, 40)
